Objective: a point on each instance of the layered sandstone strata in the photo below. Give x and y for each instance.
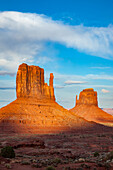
(30, 83)
(40, 116)
(35, 109)
(87, 107)
(87, 97)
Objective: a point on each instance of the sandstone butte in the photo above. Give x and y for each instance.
(87, 107)
(35, 109)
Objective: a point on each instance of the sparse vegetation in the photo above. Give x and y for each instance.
(25, 162)
(109, 156)
(101, 135)
(7, 152)
(50, 168)
(57, 160)
(8, 166)
(96, 154)
(92, 152)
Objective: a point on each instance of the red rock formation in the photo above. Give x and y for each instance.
(108, 110)
(30, 83)
(87, 107)
(35, 109)
(87, 97)
(51, 80)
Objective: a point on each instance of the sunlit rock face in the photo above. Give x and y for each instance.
(87, 107)
(35, 109)
(87, 97)
(108, 110)
(30, 83)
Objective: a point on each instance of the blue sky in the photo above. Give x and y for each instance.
(73, 39)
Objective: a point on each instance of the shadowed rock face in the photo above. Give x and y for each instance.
(30, 83)
(87, 107)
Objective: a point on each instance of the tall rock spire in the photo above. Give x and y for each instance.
(51, 86)
(51, 80)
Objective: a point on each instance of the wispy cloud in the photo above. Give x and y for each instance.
(3, 73)
(100, 67)
(69, 82)
(105, 91)
(59, 87)
(97, 77)
(7, 88)
(85, 77)
(24, 35)
(103, 86)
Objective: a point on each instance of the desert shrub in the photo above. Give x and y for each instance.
(7, 152)
(110, 156)
(85, 166)
(36, 165)
(96, 154)
(8, 166)
(82, 165)
(79, 168)
(25, 162)
(101, 135)
(50, 168)
(67, 168)
(57, 160)
(107, 166)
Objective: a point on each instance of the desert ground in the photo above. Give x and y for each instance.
(65, 151)
(46, 136)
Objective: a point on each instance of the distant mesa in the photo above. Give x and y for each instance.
(87, 107)
(35, 109)
(87, 97)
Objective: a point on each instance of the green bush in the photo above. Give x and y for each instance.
(7, 152)
(50, 168)
(96, 154)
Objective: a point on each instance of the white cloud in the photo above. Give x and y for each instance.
(105, 91)
(3, 73)
(69, 82)
(85, 77)
(23, 36)
(103, 86)
(97, 77)
(100, 67)
(59, 87)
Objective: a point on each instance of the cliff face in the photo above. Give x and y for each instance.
(87, 97)
(30, 83)
(35, 109)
